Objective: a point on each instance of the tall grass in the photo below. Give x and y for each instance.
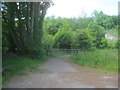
(105, 59)
(19, 65)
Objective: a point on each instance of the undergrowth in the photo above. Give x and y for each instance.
(18, 65)
(105, 60)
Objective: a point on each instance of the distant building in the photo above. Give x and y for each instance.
(110, 37)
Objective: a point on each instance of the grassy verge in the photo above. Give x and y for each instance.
(105, 60)
(19, 65)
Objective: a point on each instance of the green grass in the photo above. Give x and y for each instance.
(105, 60)
(19, 65)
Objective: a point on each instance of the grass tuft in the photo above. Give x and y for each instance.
(19, 66)
(104, 60)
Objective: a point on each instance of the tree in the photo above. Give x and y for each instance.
(83, 40)
(98, 34)
(48, 41)
(24, 21)
(82, 23)
(52, 25)
(63, 39)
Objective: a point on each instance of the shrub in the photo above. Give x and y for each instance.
(113, 44)
(63, 39)
(48, 41)
(104, 43)
(83, 40)
(98, 34)
(118, 44)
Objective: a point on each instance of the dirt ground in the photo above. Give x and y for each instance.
(59, 72)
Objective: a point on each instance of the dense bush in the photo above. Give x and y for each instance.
(98, 34)
(48, 41)
(104, 43)
(63, 39)
(118, 44)
(89, 36)
(83, 40)
(113, 44)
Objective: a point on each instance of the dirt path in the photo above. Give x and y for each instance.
(61, 73)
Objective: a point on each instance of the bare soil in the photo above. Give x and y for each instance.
(59, 72)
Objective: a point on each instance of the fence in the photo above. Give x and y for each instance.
(62, 51)
(53, 52)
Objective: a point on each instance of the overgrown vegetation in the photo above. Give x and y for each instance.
(26, 32)
(20, 65)
(23, 27)
(85, 33)
(103, 60)
(22, 33)
(88, 35)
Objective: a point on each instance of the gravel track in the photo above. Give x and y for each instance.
(59, 72)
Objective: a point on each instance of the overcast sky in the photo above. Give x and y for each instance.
(77, 8)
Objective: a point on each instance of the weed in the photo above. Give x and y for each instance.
(19, 65)
(104, 59)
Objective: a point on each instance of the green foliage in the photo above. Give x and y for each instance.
(24, 31)
(63, 39)
(23, 27)
(100, 17)
(103, 60)
(5, 44)
(104, 43)
(96, 30)
(113, 44)
(96, 26)
(98, 34)
(108, 22)
(48, 41)
(51, 25)
(53, 29)
(118, 44)
(19, 66)
(83, 40)
(83, 23)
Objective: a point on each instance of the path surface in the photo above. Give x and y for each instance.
(61, 73)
